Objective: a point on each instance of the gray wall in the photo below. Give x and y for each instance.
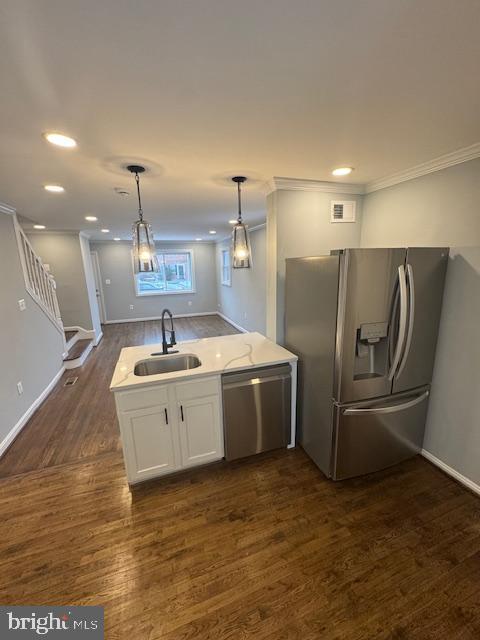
(453, 425)
(245, 301)
(439, 209)
(443, 209)
(29, 343)
(62, 252)
(116, 265)
(299, 225)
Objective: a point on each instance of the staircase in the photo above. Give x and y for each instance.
(78, 346)
(40, 284)
(38, 281)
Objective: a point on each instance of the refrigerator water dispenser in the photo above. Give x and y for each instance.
(371, 357)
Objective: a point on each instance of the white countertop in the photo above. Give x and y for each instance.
(217, 355)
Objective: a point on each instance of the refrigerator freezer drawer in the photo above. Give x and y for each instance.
(370, 436)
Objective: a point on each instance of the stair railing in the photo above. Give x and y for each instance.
(39, 283)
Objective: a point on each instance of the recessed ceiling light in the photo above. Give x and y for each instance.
(91, 218)
(54, 188)
(198, 239)
(39, 226)
(212, 232)
(105, 230)
(232, 222)
(117, 239)
(342, 171)
(60, 140)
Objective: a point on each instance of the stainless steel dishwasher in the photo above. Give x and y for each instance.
(256, 410)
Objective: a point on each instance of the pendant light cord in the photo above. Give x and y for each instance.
(140, 211)
(239, 203)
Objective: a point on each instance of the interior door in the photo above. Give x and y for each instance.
(425, 276)
(370, 436)
(98, 286)
(368, 285)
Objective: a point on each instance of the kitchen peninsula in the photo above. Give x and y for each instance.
(171, 409)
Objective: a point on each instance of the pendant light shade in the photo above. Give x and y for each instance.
(144, 252)
(240, 243)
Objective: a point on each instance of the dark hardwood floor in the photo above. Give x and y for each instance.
(79, 422)
(262, 548)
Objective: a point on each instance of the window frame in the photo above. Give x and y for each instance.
(226, 282)
(138, 294)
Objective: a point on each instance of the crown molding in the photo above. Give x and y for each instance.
(442, 162)
(295, 184)
(6, 208)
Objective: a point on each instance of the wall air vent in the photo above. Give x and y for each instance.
(342, 211)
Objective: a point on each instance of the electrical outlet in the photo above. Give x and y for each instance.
(131, 307)
(19, 388)
(189, 303)
(108, 281)
(21, 305)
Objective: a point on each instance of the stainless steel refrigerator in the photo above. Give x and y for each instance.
(364, 323)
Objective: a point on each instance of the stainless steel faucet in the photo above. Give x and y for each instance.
(166, 345)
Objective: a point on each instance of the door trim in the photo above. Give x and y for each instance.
(98, 275)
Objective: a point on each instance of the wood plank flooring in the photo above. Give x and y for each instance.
(79, 422)
(262, 548)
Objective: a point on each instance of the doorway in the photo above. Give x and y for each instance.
(98, 286)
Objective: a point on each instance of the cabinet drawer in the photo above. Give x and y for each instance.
(197, 388)
(141, 398)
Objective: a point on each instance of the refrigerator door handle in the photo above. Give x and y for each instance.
(411, 318)
(391, 409)
(402, 327)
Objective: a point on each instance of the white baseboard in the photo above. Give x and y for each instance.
(175, 315)
(79, 329)
(230, 321)
(97, 339)
(81, 334)
(13, 433)
(451, 472)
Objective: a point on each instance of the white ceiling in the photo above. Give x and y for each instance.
(201, 90)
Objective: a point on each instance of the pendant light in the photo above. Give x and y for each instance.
(144, 252)
(240, 244)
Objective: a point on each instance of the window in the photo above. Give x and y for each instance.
(226, 268)
(175, 275)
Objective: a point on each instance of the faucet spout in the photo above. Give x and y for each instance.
(166, 345)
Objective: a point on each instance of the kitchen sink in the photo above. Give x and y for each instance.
(166, 364)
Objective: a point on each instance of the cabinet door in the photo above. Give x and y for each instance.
(201, 433)
(150, 443)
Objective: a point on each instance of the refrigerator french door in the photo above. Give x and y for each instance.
(364, 323)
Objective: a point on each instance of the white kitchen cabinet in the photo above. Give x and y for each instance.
(150, 443)
(170, 427)
(200, 429)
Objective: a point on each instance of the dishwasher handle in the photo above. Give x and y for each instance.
(254, 381)
(258, 375)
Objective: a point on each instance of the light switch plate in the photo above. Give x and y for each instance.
(22, 305)
(107, 281)
(19, 388)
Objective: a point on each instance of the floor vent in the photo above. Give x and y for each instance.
(70, 381)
